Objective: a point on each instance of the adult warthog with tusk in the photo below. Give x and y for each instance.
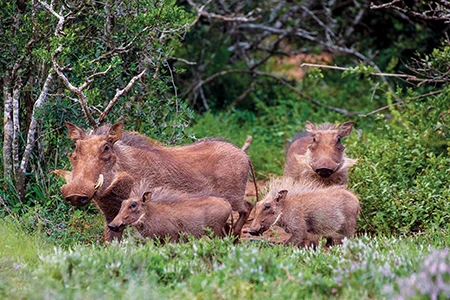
(210, 165)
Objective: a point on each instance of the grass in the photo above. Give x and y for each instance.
(32, 267)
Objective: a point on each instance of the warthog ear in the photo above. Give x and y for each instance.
(345, 129)
(310, 127)
(281, 195)
(115, 133)
(349, 162)
(64, 174)
(75, 133)
(147, 197)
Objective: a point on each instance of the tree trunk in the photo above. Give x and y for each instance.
(8, 129)
(31, 136)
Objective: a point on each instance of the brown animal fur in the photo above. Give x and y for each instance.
(164, 213)
(215, 166)
(305, 209)
(319, 156)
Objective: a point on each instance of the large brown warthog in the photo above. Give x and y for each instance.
(319, 156)
(212, 166)
(165, 213)
(306, 211)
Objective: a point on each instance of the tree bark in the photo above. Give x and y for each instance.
(8, 129)
(31, 138)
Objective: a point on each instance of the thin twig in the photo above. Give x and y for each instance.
(380, 109)
(386, 5)
(190, 63)
(400, 103)
(73, 89)
(203, 13)
(118, 94)
(404, 76)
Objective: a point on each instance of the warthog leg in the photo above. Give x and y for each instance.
(243, 216)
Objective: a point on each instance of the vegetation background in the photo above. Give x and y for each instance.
(182, 70)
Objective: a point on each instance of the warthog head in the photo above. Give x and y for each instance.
(132, 212)
(268, 212)
(92, 162)
(325, 153)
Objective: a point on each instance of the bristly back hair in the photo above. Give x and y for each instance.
(130, 138)
(163, 194)
(327, 126)
(294, 187)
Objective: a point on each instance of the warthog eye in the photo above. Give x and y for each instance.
(73, 156)
(267, 207)
(106, 148)
(338, 139)
(133, 205)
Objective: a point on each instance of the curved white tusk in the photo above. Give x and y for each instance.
(99, 182)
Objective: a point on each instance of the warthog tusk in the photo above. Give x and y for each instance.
(99, 182)
(138, 220)
(276, 220)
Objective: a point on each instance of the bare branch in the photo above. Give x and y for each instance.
(91, 78)
(61, 18)
(202, 96)
(190, 63)
(73, 89)
(403, 76)
(381, 109)
(201, 12)
(118, 94)
(439, 10)
(386, 5)
(243, 95)
(31, 137)
(400, 103)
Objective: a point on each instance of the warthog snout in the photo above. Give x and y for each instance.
(254, 232)
(324, 172)
(255, 229)
(115, 228)
(77, 200)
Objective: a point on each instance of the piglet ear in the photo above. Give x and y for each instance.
(281, 195)
(310, 127)
(75, 133)
(147, 197)
(345, 129)
(115, 133)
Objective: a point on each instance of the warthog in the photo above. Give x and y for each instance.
(319, 156)
(306, 211)
(162, 213)
(215, 166)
